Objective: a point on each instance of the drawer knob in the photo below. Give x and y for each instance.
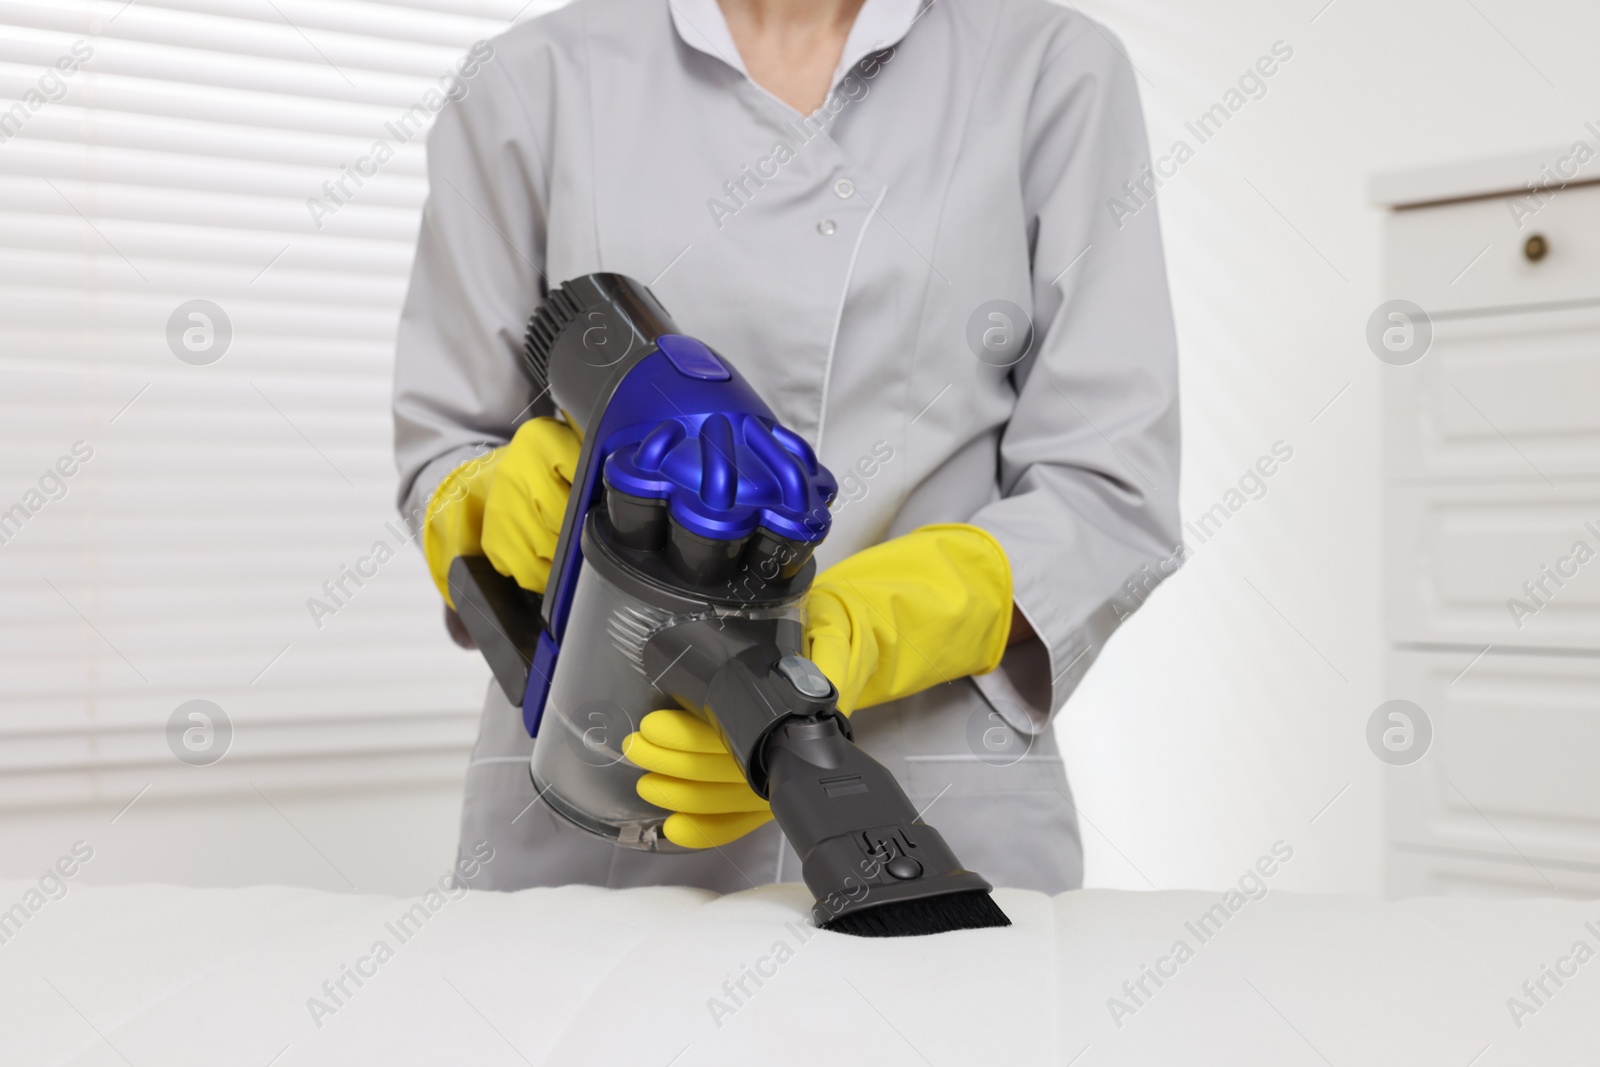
(1535, 248)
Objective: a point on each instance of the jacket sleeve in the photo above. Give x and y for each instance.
(460, 387)
(1088, 467)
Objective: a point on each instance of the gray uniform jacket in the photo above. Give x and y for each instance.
(949, 279)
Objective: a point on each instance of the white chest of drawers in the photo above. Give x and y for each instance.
(1491, 486)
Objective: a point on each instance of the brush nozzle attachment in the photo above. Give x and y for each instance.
(969, 909)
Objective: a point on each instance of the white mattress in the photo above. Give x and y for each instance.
(156, 976)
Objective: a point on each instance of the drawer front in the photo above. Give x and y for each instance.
(1470, 256)
(1511, 397)
(1510, 772)
(1515, 566)
(1422, 873)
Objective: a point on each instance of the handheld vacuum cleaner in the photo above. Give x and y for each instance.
(679, 578)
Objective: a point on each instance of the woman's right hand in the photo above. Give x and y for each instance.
(507, 504)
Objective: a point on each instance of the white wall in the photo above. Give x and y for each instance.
(378, 839)
(1231, 709)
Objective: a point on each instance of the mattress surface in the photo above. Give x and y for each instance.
(158, 975)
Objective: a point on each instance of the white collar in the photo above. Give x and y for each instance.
(879, 25)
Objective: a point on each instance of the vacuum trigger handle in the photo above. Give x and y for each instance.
(502, 617)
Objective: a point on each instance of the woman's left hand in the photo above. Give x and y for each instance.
(693, 776)
(926, 608)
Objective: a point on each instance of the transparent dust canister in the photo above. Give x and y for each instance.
(601, 692)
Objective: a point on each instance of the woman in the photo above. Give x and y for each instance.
(896, 219)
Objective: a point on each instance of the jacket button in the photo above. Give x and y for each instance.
(826, 227)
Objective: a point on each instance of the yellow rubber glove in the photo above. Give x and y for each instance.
(898, 618)
(506, 504)
(693, 776)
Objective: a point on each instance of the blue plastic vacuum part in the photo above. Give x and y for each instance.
(668, 424)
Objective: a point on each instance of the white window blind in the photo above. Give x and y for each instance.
(158, 153)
